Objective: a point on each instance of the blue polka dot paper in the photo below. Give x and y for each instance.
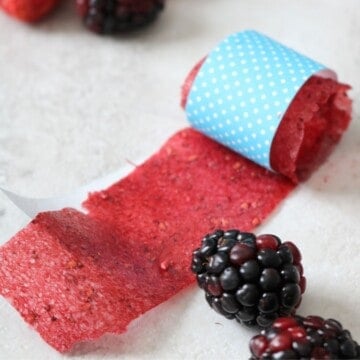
(243, 90)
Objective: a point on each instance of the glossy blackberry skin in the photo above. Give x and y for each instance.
(251, 279)
(309, 337)
(118, 16)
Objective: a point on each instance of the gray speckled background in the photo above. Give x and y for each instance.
(75, 106)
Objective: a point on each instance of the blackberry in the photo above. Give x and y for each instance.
(251, 279)
(117, 16)
(304, 338)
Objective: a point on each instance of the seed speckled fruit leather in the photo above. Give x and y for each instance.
(74, 277)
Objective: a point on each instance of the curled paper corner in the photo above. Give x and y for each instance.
(33, 206)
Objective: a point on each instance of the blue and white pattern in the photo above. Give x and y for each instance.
(244, 88)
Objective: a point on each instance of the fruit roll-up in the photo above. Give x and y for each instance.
(269, 103)
(75, 276)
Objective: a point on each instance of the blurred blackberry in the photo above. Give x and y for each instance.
(252, 279)
(117, 16)
(304, 338)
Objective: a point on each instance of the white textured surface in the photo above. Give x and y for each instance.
(74, 106)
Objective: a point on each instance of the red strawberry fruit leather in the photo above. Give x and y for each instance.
(74, 277)
(311, 127)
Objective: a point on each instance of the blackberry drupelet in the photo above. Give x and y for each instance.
(304, 338)
(251, 279)
(117, 16)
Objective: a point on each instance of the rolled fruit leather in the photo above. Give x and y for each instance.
(269, 103)
(75, 276)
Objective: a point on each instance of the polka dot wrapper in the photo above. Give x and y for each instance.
(243, 90)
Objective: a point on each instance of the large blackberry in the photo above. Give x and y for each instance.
(252, 279)
(116, 16)
(309, 337)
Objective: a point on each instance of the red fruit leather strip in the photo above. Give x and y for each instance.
(192, 186)
(311, 127)
(74, 277)
(69, 277)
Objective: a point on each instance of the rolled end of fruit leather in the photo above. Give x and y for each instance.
(269, 103)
